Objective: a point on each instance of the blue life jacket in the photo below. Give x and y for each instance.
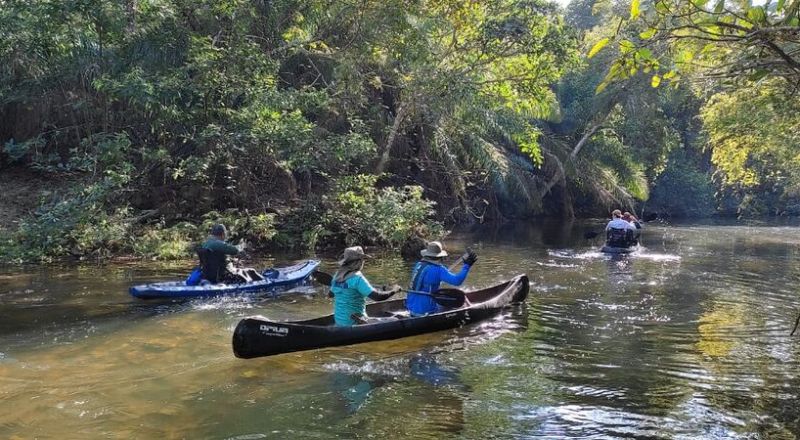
(421, 304)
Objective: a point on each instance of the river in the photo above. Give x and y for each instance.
(688, 338)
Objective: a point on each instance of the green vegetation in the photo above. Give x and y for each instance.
(324, 122)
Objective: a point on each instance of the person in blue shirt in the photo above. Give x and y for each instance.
(428, 274)
(350, 289)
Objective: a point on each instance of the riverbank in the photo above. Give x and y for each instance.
(52, 217)
(61, 217)
(22, 190)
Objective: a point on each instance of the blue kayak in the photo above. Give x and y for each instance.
(277, 279)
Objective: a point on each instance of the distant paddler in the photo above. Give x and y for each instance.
(630, 218)
(619, 233)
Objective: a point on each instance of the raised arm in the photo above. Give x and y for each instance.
(456, 279)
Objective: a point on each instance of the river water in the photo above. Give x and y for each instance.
(688, 338)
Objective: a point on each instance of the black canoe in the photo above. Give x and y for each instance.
(256, 336)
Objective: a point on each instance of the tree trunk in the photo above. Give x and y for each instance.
(588, 135)
(387, 148)
(574, 154)
(130, 13)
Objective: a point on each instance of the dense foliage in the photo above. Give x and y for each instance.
(743, 60)
(304, 123)
(169, 110)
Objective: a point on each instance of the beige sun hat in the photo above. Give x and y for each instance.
(352, 254)
(434, 249)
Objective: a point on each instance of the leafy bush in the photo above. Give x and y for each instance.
(364, 214)
(162, 243)
(303, 227)
(257, 229)
(77, 224)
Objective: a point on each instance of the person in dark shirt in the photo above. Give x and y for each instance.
(214, 263)
(630, 218)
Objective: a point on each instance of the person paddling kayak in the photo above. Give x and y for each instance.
(213, 254)
(619, 233)
(630, 218)
(427, 276)
(350, 289)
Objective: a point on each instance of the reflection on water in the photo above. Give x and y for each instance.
(686, 338)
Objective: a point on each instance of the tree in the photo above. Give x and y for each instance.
(757, 153)
(729, 41)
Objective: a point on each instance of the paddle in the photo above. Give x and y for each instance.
(448, 297)
(322, 277)
(795, 326)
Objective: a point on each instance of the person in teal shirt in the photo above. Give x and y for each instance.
(351, 289)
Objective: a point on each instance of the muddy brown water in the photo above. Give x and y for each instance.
(687, 338)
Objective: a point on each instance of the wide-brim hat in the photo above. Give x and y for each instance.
(433, 249)
(353, 254)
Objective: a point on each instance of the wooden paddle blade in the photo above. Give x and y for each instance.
(322, 277)
(449, 298)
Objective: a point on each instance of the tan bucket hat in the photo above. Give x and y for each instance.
(352, 254)
(434, 249)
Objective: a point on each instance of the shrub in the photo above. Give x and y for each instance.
(161, 243)
(364, 214)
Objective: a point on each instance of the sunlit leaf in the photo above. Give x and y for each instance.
(648, 34)
(626, 46)
(655, 81)
(598, 47)
(757, 15)
(635, 11)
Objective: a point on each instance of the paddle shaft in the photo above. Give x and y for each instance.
(453, 266)
(432, 294)
(455, 300)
